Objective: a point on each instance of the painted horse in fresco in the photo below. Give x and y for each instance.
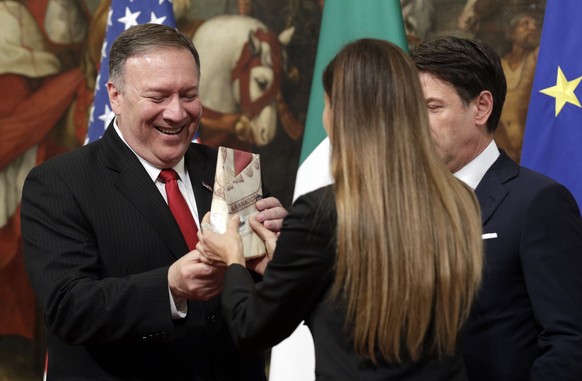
(242, 67)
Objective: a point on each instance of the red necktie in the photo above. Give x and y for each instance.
(179, 207)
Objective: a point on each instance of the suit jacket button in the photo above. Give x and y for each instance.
(211, 319)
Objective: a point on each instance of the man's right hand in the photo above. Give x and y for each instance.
(189, 278)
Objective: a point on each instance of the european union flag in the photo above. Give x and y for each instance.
(553, 135)
(123, 14)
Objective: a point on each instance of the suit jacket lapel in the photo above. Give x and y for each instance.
(201, 170)
(135, 184)
(491, 190)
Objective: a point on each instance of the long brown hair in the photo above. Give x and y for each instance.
(409, 248)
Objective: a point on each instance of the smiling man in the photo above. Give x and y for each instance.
(527, 321)
(124, 293)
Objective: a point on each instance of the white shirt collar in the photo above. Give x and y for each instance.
(472, 173)
(152, 170)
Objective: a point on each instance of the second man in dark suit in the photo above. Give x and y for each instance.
(527, 320)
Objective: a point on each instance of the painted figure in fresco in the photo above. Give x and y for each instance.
(419, 19)
(36, 88)
(485, 19)
(519, 63)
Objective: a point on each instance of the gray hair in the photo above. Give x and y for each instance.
(143, 38)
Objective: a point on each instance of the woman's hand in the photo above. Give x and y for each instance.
(217, 248)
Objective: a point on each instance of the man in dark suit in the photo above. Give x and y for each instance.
(125, 295)
(527, 320)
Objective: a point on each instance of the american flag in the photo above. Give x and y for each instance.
(123, 14)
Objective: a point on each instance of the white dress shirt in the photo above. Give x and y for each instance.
(472, 173)
(179, 309)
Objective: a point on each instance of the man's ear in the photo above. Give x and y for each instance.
(114, 95)
(484, 104)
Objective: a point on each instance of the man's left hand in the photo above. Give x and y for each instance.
(271, 213)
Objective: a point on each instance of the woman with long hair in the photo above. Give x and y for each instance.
(384, 264)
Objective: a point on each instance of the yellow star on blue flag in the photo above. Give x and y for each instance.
(553, 135)
(563, 91)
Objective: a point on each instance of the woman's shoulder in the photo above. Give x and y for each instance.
(313, 209)
(321, 199)
(317, 196)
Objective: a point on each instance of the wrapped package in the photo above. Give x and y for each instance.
(237, 187)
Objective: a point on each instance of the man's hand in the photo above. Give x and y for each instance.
(271, 213)
(190, 278)
(259, 265)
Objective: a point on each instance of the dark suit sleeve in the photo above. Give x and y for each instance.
(65, 266)
(294, 282)
(551, 254)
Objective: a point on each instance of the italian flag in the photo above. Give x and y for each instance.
(342, 22)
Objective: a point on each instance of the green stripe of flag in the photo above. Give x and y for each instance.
(344, 21)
